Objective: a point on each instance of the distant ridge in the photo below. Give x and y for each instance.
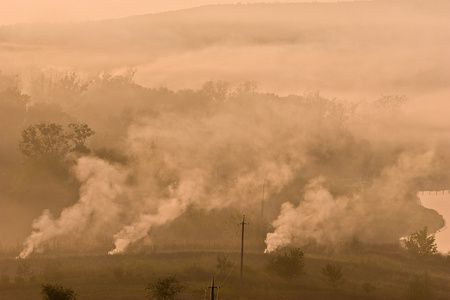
(397, 45)
(210, 21)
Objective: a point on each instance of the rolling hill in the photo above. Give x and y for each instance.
(350, 47)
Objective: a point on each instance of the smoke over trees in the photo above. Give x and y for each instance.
(420, 243)
(164, 159)
(46, 139)
(333, 170)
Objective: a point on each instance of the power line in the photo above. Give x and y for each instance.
(228, 255)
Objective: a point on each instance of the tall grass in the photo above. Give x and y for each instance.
(386, 271)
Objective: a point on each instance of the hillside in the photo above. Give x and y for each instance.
(362, 47)
(368, 273)
(131, 149)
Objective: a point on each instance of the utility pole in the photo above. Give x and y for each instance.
(242, 248)
(212, 287)
(261, 226)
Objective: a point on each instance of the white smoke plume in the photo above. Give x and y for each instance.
(213, 146)
(309, 220)
(324, 219)
(176, 163)
(136, 231)
(193, 151)
(209, 155)
(102, 185)
(168, 210)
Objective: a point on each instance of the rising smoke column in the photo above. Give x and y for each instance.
(382, 212)
(167, 210)
(312, 220)
(218, 154)
(102, 186)
(196, 155)
(174, 165)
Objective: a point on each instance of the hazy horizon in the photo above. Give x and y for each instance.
(51, 11)
(146, 134)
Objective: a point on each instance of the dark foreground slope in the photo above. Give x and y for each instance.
(382, 272)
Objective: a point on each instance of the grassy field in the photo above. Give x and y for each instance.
(387, 272)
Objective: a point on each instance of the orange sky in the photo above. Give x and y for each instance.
(19, 11)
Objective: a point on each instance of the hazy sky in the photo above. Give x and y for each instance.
(18, 11)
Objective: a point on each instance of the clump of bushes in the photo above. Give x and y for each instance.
(167, 288)
(332, 273)
(421, 244)
(287, 265)
(57, 292)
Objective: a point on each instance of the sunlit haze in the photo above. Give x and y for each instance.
(279, 150)
(29, 11)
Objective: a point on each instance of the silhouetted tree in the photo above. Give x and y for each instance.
(78, 135)
(57, 292)
(420, 244)
(119, 81)
(332, 273)
(216, 90)
(44, 139)
(62, 87)
(50, 139)
(289, 265)
(390, 102)
(247, 87)
(164, 289)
